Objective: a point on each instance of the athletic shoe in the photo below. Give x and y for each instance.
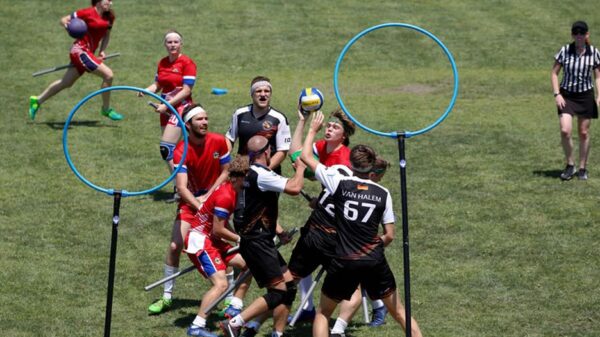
(34, 106)
(175, 198)
(112, 114)
(252, 328)
(160, 306)
(378, 316)
(195, 330)
(228, 330)
(568, 173)
(230, 312)
(305, 316)
(582, 174)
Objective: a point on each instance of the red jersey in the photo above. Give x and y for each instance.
(220, 203)
(340, 156)
(171, 76)
(203, 162)
(97, 26)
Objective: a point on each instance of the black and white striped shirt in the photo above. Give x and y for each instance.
(577, 68)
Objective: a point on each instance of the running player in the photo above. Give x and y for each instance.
(174, 79)
(360, 206)
(205, 167)
(206, 244)
(255, 221)
(99, 19)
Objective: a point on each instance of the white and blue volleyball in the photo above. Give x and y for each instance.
(311, 99)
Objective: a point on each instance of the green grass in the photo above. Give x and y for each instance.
(499, 245)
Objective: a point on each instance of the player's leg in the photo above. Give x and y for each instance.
(104, 72)
(397, 311)
(324, 311)
(281, 312)
(583, 126)
(236, 303)
(219, 282)
(35, 102)
(168, 141)
(566, 129)
(347, 311)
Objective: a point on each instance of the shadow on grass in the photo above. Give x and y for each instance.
(88, 123)
(162, 195)
(548, 173)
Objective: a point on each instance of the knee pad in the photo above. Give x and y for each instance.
(290, 294)
(274, 297)
(166, 150)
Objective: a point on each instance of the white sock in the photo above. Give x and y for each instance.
(376, 304)
(304, 286)
(230, 281)
(169, 285)
(237, 321)
(199, 321)
(339, 326)
(236, 302)
(276, 334)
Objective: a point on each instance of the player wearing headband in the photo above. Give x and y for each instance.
(205, 167)
(174, 79)
(260, 118)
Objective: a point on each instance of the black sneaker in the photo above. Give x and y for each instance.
(568, 173)
(582, 174)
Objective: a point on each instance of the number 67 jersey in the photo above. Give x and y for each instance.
(360, 207)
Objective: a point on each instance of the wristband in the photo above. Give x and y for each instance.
(556, 94)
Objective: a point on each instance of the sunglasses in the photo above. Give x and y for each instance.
(578, 32)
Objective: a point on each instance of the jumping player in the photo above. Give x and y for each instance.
(255, 220)
(99, 19)
(174, 79)
(205, 167)
(206, 244)
(360, 206)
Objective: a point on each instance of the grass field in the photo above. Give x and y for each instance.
(499, 245)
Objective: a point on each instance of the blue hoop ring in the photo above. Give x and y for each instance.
(395, 134)
(108, 191)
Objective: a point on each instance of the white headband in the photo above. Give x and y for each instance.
(260, 84)
(173, 34)
(190, 114)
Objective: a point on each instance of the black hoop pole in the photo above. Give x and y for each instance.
(405, 246)
(111, 263)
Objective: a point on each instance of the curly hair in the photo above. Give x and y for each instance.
(347, 124)
(239, 166)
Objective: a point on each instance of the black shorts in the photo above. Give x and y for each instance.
(580, 104)
(344, 276)
(314, 248)
(263, 260)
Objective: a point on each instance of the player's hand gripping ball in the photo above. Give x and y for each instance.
(77, 28)
(311, 99)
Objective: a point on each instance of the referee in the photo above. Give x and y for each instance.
(575, 95)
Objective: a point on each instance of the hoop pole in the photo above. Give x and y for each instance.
(405, 246)
(111, 263)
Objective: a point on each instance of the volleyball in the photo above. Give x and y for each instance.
(311, 99)
(77, 28)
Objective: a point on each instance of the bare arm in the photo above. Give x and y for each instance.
(185, 92)
(221, 231)
(296, 183)
(104, 44)
(560, 101)
(388, 234)
(315, 126)
(277, 158)
(220, 179)
(298, 133)
(181, 181)
(597, 76)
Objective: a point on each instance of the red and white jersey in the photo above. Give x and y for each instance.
(340, 156)
(203, 163)
(97, 26)
(171, 76)
(220, 203)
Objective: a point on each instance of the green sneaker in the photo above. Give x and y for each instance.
(159, 306)
(226, 303)
(112, 114)
(34, 106)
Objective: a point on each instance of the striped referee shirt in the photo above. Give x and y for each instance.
(577, 68)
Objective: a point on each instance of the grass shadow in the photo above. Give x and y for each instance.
(86, 123)
(548, 173)
(162, 196)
